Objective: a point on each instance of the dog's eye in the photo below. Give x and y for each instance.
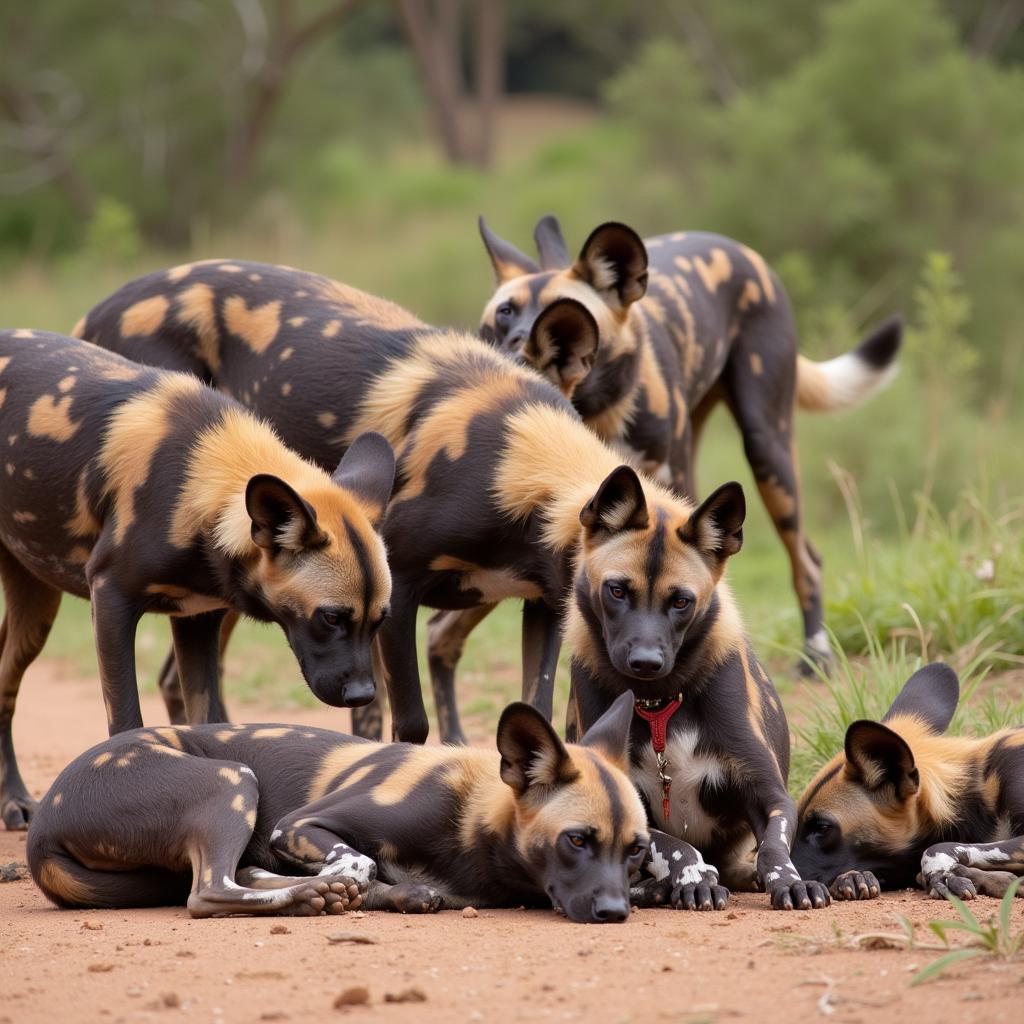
(577, 839)
(332, 618)
(505, 310)
(616, 591)
(636, 850)
(682, 603)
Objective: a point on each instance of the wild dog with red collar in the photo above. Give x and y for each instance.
(710, 744)
(903, 801)
(145, 491)
(275, 820)
(494, 465)
(687, 320)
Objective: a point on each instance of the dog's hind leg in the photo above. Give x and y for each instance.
(958, 868)
(760, 380)
(446, 636)
(31, 607)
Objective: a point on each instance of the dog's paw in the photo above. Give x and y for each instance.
(16, 810)
(342, 894)
(700, 896)
(415, 898)
(855, 885)
(798, 895)
(940, 884)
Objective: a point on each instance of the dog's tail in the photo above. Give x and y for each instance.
(850, 379)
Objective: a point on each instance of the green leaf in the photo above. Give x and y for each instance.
(939, 927)
(936, 967)
(964, 911)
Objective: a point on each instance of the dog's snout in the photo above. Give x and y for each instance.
(645, 661)
(610, 909)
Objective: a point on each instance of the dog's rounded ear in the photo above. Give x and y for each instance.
(550, 242)
(507, 260)
(531, 752)
(281, 519)
(931, 694)
(562, 344)
(618, 505)
(613, 261)
(610, 733)
(881, 761)
(367, 469)
(716, 526)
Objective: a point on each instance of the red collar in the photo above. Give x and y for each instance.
(658, 721)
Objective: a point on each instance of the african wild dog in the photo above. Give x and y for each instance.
(710, 745)
(494, 465)
(146, 491)
(903, 801)
(244, 815)
(705, 321)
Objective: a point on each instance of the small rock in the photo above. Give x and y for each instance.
(407, 995)
(170, 1000)
(354, 937)
(470, 912)
(13, 871)
(92, 926)
(185, 954)
(99, 968)
(280, 929)
(357, 995)
(274, 1015)
(731, 916)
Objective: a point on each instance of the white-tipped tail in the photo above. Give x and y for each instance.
(850, 379)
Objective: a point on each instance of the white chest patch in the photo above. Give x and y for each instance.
(689, 770)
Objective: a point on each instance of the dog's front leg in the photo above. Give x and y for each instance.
(197, 653)
(774, 827)
(677, 875)
(397, 641)
(115, 617)
(542, 640)
(965, 869)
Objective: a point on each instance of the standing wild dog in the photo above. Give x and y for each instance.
(145, 491)
(903, 801)
(704, 320)
(709, 749)
(494, 465)
(244, 815)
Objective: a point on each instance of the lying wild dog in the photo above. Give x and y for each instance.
(704, 320)
(146, 491)
(709, 747)
(494, 466)
(903, 801)
(244, 815)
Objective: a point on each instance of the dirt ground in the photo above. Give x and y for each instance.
(662, 965)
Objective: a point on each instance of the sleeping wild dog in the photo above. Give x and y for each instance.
(264, 819)
(902, 802)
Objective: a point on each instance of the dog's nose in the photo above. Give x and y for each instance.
(610, 909)
(645, 661)
(357, 692)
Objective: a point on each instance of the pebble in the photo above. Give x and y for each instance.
(407, 995)
(470, 912)
(280, 929)
(357, 995)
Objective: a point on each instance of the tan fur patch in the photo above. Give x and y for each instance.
(136, 431)
(272, 733)
(761, 269)
(750, 296)
(326, 420)
(4, 362)
(24, 517)
(196, 309)
(257, 326)
(295, 321)
(144, 317)
(368, 310)
(756, 364)
(53, 878)
(713, 272)
(332, 329)
(49, 417)
(83, 523)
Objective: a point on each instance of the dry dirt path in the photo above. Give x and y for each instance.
(662, 965)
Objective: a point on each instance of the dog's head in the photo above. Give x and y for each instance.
(868, 808)
(648, 576)
(321, 570)
(608, 276)
(580, 828)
